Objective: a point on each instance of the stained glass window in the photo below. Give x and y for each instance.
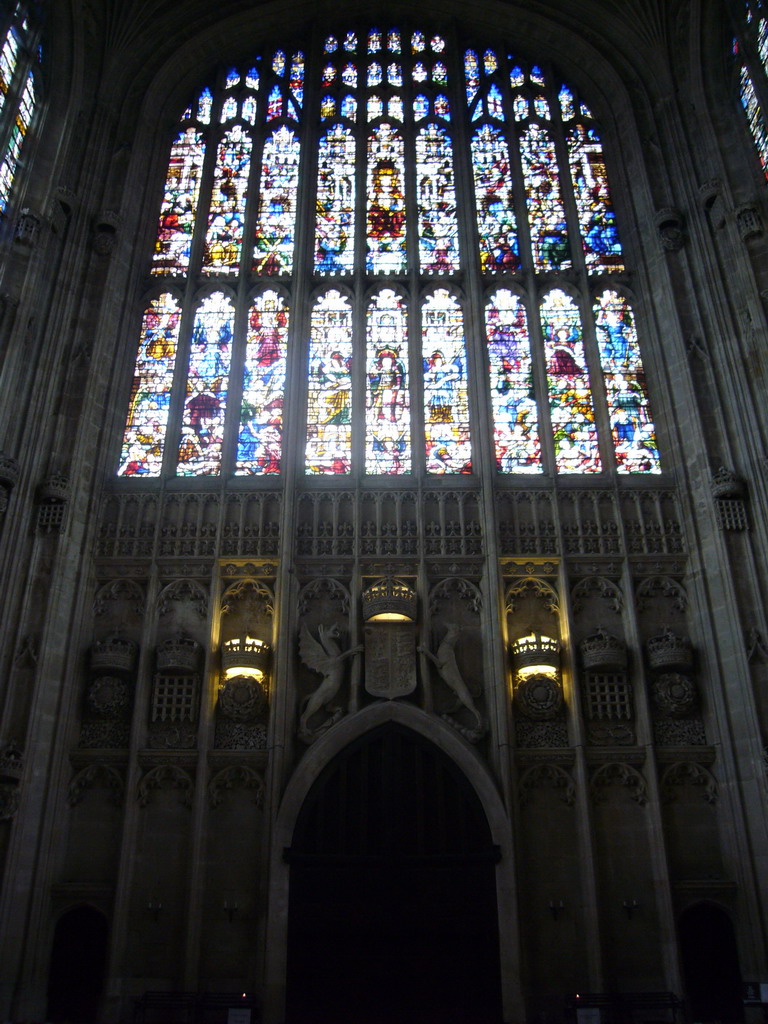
(17, 99)
(379, 200)
(329, 402)
(335, 232)
(632, 429)
(387, 403)
(446, 401)
(517, 446)
(259, 443)
(758, 29)
(147, 421)
(571, 408)
(205, 405)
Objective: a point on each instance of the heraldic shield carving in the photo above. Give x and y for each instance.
(390, 659)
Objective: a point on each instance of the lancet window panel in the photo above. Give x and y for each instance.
(753, 75)
(352, 163)
(19, 88)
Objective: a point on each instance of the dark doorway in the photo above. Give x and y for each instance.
(392, 915)
(78, 961)
(710, 964)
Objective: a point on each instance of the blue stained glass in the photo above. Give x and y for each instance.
(259, 443)
(349, 108)
(331, 44)
(387, 402)
(334, 237)
(420, 108)
(496, 223)
(442, 107)
(446, 400)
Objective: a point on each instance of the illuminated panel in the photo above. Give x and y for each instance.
(205, 403)
(224, 237)
(179, 209)
(386, 204)
(754, 116)
(567, 109)
(599, 235)
(496, 223)
(18, 134)
(446, 403)
(335, 229)
(570, 397)
(546, 214)
(515, 415)
(8, 57)
(147, 420)
(259, 443)
(472, 74)
(438, 229)
(273, 253)
(387, 406)
(329, 430)
(204, 106)
(632, 429)
(297, 78)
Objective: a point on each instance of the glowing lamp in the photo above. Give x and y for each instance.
(536, 655)
(245, 656)
(389, 600)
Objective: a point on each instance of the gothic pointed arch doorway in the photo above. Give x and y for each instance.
(392, 911)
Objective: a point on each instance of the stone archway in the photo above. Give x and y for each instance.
(392, 908)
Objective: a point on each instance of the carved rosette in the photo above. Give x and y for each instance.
(241, 699)
(674, 694)
(108, 697)
(539, 698)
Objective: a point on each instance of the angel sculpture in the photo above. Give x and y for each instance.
(444, 660)
(326, 657)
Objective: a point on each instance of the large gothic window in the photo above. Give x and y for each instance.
(17, 97)
(755, 34)
(409, 242)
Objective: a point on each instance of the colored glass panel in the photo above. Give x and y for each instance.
(224, 237)
(327, 107)
(394, 75)
(205, 405)
(420, 108)
(297, 78)
(570, 397)
(273, 253)
(374, 41)
(417, 42)
(249, 109)
(754, 117)
(446, 401)
(632, 428)
(471, 74)
(329, 399)
(395, 108)
(490, 62)
(537, 75)
(386, 228)
(393, 41)
(599, 234)
(335, 230)
(493, 101)
(179, 209)
(204, 106)
(229, 109)
(438, 228)
(349, 76)
(350, 42)
(331, 44)
(349, 108)
(387, 404)
(520, 107)
(252, 78)
(275, 103)
(259, 443)
(437, 43)
(496, 222)
(517, 445)
(440, 73)
(8, 58)
(419, 72)
(516, 76)
(442, 107)
(18, 134)
(147, 421)
(546, 214)
(375, 107)
(567, 106)
(328, 76)
(278, 63)
(233, 79)
(374, 75)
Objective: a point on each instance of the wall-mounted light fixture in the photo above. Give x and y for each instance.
(245, 656)
(536, 655)
(389, 600)
(630, 906)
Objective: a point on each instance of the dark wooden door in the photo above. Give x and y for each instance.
(392, 914)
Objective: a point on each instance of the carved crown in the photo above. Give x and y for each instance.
(389, 595)
(245, 652)
(603, 651)
(669, 651)
(9, 471)
(55, 488)
(11, 762)
(180, 652)
(726, 484)
(114, 654)
(536, 650)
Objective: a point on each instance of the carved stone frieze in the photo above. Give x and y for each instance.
(241, 736)
(105, 735)
(547, 774)
(9, 800)
(682, 772)
(674, 694)
(108, 696)
(164, 776)
(87, 777)
(618, 773)
(541, 734)
(539, 698)
(242, 699)
(672, 732)
(236, 776)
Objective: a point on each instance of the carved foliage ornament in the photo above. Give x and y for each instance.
(688, 771)
(549, 775)
(674, 694)
(236, 776)
(89, 776)
(623, 774)
(165, 775)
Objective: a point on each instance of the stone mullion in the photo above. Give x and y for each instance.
(118, 978)
(745, 840)
(200, 810)
(24, 916)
